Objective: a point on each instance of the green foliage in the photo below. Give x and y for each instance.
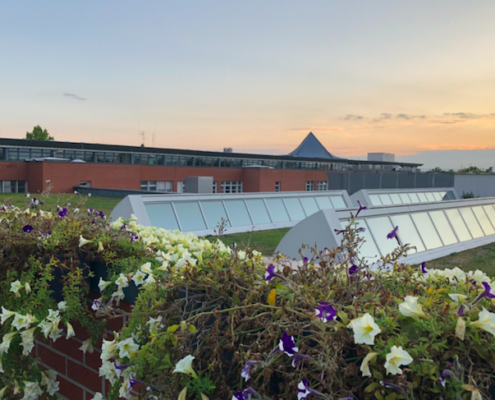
(39, 133)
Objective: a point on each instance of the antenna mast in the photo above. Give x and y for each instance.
(143, 135)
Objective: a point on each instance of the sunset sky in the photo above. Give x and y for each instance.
(414, 78)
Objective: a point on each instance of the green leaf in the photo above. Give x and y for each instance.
(378, 395)
(343, 316)
(377, 375)
(173, 328)
(371, 387)
(192, 329)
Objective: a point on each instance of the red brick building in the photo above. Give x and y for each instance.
(31, 165)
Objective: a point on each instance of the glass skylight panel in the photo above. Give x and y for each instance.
(459, 225)
(277, 210)
(395, 198)
(375, 200)
(485, 223)
(294, 208)
(214, 212)
(427, 230)
(238, 213)
(309, 205)
(407, 232)
(162, 216)
(430, 197)
(422, 198)
(414, 197)
(386, 200)
(380, 227)
(190, 216)
(368, 248)
(323, 202)
(471, 222)
(490, 211)
(437, 196)
(258, 211)
(443, 227)
(405, 198)
(338, 202)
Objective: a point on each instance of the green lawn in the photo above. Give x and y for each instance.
(262, 241)
(105, 204)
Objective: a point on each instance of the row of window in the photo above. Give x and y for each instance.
(168, 186)
(22, 154)
(321, 185)
(13, 186)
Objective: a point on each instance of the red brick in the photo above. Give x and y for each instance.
(70, 390)
(84, 376)
(52, 359)
(93, 360)
(115, 324)
(81, 332)
(69, 347)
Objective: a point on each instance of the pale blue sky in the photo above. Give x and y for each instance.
(255, 75)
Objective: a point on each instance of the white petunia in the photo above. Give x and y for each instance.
(138, 278)
(107, 370)
(6, 314)
(122, 281)
(457, 297)
(365, 369)
(27, 340)
(83, 241)
(460, 328)
(21, 321)
(397, 357)
(411, 308)
(97, 396)
(87, 346)
(62, 305)
(486, 321)
(149, 281)
(5, 345)
(15, 287)
(103, 284)
(184, 366)
(365, 329)
(126, 347)
(70, 331)
(32, 391)
(146, 268)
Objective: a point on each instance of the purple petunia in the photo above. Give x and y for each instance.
(339, 232)
(133, 382)
(485, 293)
(460, 310)
(62, 213)
(35, 201)
(423, 268)
(297, 359)
(270, 273)
(96, 304)
(393, 234)
(120, 368)
(27, 228)
(288, 345)
(134, 237)
(361, 229)
(102, 216)
(305, 260)
(326, 312)
(391, 386)
(245, 395)
(353, 269)
(361, 208)
(123, 226)
(303, 391)
(444, 375)
(246, 373)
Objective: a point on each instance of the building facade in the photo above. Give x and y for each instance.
(31, 165)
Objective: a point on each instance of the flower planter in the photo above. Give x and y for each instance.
(56, 284)
(100, 271)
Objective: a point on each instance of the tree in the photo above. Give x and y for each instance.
(39, 133)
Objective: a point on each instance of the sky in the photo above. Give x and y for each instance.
(413, 78)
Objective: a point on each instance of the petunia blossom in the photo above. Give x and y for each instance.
(288, 345)
(270, 273)
(486, 321)
(423, 268)
(393, 234)
(397, 357)
(184, 366)
(304, 391)
(444, 375)
(326, 312)
(365, 369)
(411, 308)
(486, 293)
(27, 228)
(365, 329)
(246, 370)
(361, 208)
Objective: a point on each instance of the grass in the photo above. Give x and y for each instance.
(262, 241)
(105, 204)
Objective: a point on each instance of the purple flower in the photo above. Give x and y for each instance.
(326, 312)
(288, 345)
(96, 305)
(361, 229)
(90, 211)
(62, 213)
(444, 375)
(246, 373)
(485, 293)
(423, 268)
(305, 260)
(133, 382)
(361, 208)
(27, 195)
(391, 386)
(27, 228)
(102, 216)
(35, 201)
(270, 273)
(339, 232)
(460, 310)
(3, 208)
(134, 237)
(120, 368)
(393, 234)
(353, 269)
(298, 357)
(245, 395)
(238, 396)
(234, 245)
(303, 390)
(123, 226)
(76, 192)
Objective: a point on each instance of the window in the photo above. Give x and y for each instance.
(165, 186)
(310, 186)
(180, 186)
(13, 187)
(322, 185)
(215, 187)
(277, 186)
(85, 183)
(231, 187)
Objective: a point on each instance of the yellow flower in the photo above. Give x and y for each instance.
(486, 321)
(411, 308)
(365, 369)
(365, 329)
(397, 356)
(100, 247)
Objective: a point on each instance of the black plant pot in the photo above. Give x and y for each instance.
(99, 271)
(131, 293)
(56, 284)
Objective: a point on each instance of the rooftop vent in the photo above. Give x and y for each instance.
(227, 149)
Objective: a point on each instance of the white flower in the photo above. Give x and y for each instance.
(83, 241)
(107, 370)
(365, 369)
(70, 331)
(55, 332)
(460, 328)
(27, 287)
(7, 338)
(76, 210)
(241, 254)
(126, 347)
(32, 391)
(154, 322)
(411, 308)
(97, 396)
(45, 327)
(100, 247)
(103, 284)
(27, 340)
(62, 305)
(122, 281)
(21, 321)
(89, 194)
(146, 268)
(365, 329)
(164, 266)
(397, 356)
(149, 281)
(138, 278)
(53, 315)
(6, 314)
(486, 321)
(52, 387)
(15, 287)
(184, 366)
(118, 295)
(108, 349)
(457, 297)
(87, 346)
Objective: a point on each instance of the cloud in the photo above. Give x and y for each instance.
(74, 96)
(385, 116)
(350, 117)
(402, 116)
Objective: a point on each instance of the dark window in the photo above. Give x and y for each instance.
(88, 156)
(152, 160)
(100, 157)
(160, 160)
(46, 153)
(144, 159)
(21, 186)
(171, 160)
(136, 158)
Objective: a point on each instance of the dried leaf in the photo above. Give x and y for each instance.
(272, 297)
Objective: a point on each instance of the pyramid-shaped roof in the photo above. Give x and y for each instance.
(311, 148)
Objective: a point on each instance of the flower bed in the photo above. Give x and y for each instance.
(215, 322)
